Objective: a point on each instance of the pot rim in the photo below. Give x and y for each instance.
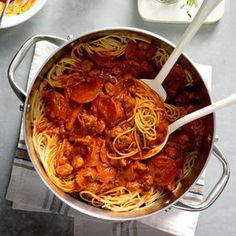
(72, 202)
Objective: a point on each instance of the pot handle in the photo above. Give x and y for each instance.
(18, 58)
(216, 191)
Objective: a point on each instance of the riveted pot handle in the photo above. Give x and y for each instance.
(216, 191)
(20, 55)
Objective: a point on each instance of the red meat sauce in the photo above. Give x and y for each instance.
(89, 108)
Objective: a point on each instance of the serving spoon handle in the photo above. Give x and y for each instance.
(202, 112)
(205, 9)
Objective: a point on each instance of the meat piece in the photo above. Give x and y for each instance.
(135, 67)
(183, 138)
(87, 119)
(85, 175)
(85, 140)
(147, 182)
(107, 109)
(103, 154)
(175, 81)
(85, 92)
(77, 162)
(67, 148)
(124, 162)
(171, 152)
(129, 79)
(119, 111)
(146, 51)
(141, 167)
(147, 70)
(134, 170)
(139, 51)
(143, 46)
(186, 141)
(105, 61)
(87, 65)
(187, 97)
(64, 170)
(114, 131)
(95, 73)
(130, 174)
(123, 142)
(163, 170)
(195, 129)
(132, 67)
(56, 106)
(129, 104)
(92, 123)
(110, 89)
(130, 51)
(102, 73)
(71, 79)
(192, 108)
(133, 186)
(72, 118)
(93, 187)
(105, 174)
(161, 130)
(100, 126)
(110, 134)
(61, 161)
(117, 69)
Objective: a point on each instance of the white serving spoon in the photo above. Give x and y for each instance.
(205, 9)
(196, 115)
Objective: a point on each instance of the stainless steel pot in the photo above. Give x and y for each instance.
(208, 146)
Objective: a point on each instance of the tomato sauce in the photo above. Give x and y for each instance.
(89, 108)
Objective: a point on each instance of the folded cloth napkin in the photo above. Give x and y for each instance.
(27, 192)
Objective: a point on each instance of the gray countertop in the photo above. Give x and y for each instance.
(213, 45)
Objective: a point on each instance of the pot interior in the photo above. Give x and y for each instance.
(204, 151)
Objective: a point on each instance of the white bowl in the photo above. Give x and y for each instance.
(9, 21)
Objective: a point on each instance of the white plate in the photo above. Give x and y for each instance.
(9, 21)
(152, 10)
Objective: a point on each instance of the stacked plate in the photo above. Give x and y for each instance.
(154, 11)
(12, 20)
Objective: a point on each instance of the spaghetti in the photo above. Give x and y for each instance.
(17, 7)
(96, 127)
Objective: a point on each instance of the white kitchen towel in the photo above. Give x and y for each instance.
(27, 192)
